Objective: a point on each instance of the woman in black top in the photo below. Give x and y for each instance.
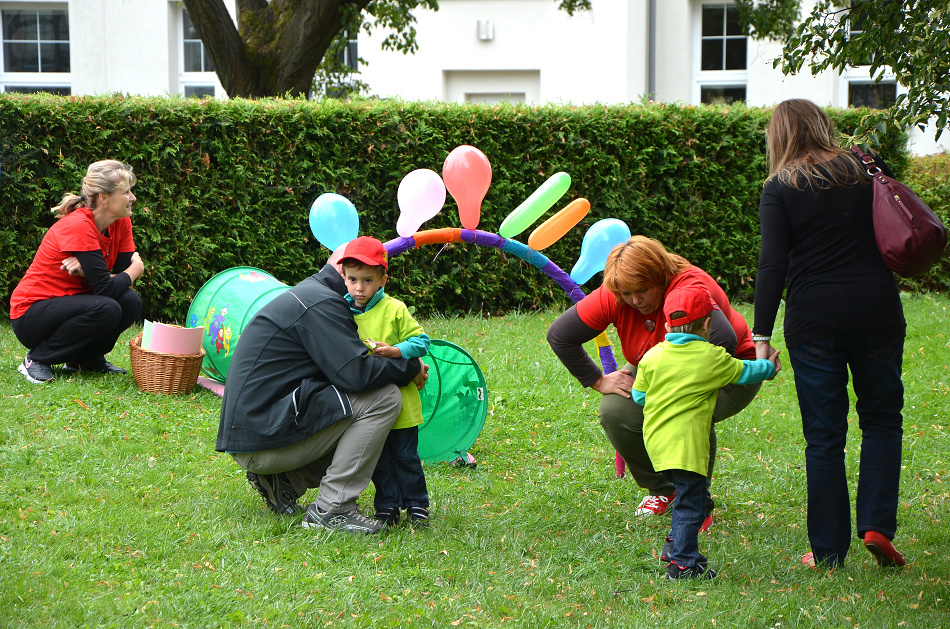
(842, 311)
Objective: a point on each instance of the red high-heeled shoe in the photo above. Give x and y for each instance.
(883, 550)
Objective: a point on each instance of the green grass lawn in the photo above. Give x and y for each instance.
(115, 510)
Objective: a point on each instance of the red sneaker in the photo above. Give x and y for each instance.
(655, 505)
(883, 550)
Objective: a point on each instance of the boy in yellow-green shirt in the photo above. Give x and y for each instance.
(389, 330)
(677, 383)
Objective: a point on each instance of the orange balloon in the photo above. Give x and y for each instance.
(551, 230)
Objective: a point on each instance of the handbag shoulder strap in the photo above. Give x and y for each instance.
(867, 160)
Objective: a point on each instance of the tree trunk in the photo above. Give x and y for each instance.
(277, 46)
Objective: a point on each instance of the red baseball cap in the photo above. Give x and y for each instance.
(692, 300)
(367, 250)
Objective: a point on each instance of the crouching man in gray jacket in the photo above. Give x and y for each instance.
(306, 406)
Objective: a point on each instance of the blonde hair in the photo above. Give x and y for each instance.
(641, 263)
(102, 177)
(800, 138)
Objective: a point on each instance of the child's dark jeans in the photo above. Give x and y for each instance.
(689, 511)
(399, 479)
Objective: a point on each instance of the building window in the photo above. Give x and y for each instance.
(863, 89)
(35, 40)
(722, 95)
(723, 42)
(35, 89)
(722, 69)
(349, 56)
(197, 72)
(35, 50)
(195, 56)
(874, 95)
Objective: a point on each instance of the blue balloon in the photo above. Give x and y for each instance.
(333, 220)
(598, 242)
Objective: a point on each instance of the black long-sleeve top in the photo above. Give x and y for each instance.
(818, 246)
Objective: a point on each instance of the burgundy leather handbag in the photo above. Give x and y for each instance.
(909, 235)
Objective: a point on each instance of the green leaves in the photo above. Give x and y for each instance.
(908, 39)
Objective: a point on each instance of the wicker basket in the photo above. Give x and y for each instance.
(170, 374)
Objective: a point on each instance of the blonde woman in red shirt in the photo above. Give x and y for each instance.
(76, 297)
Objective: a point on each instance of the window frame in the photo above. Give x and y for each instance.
(861, 75)
(714, 78)
(195, 80)
(35, 81)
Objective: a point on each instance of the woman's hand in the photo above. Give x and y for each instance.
(764, 349)
(71, 265)
(619, 382)
(136, 267)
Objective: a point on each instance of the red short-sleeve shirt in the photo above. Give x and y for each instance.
(73, 233)
(600, 309)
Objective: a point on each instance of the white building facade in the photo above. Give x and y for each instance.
(143, 47)
(679, 51)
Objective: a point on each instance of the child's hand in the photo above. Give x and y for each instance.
(775, 361)
(382, 349)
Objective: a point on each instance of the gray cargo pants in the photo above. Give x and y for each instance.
(339, 459)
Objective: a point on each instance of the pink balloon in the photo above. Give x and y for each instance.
(421, 195)
(467, 175)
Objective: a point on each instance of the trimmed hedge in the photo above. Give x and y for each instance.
(230, 183)
(929, 177)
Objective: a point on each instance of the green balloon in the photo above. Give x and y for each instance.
(534, 206)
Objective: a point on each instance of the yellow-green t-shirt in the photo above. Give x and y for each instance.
(389, 321)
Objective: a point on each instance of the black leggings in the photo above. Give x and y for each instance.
(76, 328)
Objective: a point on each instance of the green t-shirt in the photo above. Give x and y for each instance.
(388, 320)
(681, 382)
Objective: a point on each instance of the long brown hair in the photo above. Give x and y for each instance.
(641, 263)
(803, 148)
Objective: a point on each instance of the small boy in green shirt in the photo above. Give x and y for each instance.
(389, 330)
(677, 383)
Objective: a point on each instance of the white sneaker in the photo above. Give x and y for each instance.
(654, 505)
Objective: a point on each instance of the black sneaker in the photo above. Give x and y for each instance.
(37, 373)
(418, 516)
(350, 521)
(668, 550)
(390, 516)
(97, 366)
(277, 491)
(699, 571)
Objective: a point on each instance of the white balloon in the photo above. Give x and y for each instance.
(421, 195)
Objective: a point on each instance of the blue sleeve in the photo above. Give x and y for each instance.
(414, 346)
(754, 371)
(640, 397)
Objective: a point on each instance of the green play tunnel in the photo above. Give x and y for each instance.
(454, 403)
(224, 305)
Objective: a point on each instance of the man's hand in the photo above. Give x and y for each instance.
(619, 382)
(422, 376)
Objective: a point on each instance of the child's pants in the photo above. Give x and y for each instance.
(399, 479)
(689, 511)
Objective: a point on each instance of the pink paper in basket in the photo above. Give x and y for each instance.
(168, 339)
